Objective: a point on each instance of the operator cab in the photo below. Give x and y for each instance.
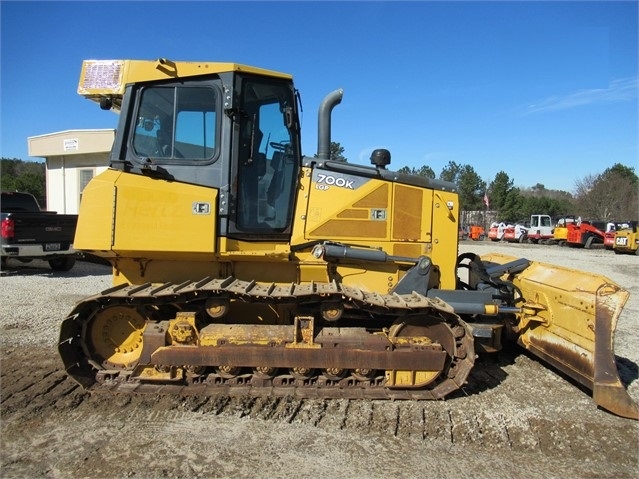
(232, 131)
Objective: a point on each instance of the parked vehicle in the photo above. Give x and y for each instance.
(29, 233)
(540, 230)
(515, 233)
(627, 239)
(477, 233)
(496, 231)
(585, 234)
(611, 232)
(560, 230)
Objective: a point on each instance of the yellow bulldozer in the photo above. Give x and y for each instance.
(241, 266)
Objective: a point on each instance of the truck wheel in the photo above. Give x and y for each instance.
(64, 263)
(589, 241)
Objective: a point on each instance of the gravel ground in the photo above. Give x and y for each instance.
(515, 419)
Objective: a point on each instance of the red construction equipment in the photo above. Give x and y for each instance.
(477, 233)
(515, 233)
(584, 234)
(496, 231)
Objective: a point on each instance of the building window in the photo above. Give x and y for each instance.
(84, 175)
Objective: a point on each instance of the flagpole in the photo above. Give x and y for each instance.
(487, 203)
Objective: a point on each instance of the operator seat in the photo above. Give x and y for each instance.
(163, 144)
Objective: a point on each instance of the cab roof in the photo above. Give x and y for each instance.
(101, 79)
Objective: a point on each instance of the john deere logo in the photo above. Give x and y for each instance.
(201, 208)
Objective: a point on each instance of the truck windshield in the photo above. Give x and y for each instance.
(176, 122)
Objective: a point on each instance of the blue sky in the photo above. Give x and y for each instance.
(545, 91)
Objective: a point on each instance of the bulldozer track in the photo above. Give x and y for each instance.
(309, 296)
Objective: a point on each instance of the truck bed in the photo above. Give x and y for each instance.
(38, 235)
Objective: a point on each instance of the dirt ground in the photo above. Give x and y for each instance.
(515, 418)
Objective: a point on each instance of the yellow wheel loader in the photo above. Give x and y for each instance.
(241, 266)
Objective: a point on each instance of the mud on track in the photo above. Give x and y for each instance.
(515, 418)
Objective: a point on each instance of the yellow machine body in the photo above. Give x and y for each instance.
(240, 264)
(560, 234)
(627, 240)
(153, 236)
(560, 229)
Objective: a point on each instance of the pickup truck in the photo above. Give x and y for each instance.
(29, 233)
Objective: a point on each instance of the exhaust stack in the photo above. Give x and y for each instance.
(324, 123)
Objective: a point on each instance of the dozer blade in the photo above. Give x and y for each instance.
(569, 319)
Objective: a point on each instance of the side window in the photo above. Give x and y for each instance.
(176, 123)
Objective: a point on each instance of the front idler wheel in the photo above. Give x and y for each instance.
(113, 337)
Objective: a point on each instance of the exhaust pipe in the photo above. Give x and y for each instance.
(324, 123)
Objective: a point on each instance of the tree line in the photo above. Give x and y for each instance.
(27, 176)
(609, 196)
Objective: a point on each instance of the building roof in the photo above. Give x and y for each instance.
(71, 142)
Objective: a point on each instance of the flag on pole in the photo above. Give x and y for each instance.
(486, 202)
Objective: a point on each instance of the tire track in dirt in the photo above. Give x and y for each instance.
(39, 388)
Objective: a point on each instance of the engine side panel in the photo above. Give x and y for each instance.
(400, 219)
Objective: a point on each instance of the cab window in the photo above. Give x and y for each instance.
(176, 122)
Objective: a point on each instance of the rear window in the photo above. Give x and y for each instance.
(13, 202)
